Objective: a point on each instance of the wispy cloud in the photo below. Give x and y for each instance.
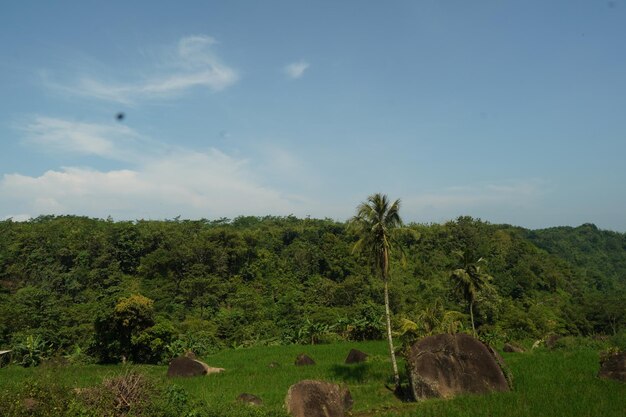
(110, 140)
(296, 69)
(163, 182)
(192, 184)
(191, 63)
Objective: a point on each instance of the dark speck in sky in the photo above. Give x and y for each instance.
(120, 116)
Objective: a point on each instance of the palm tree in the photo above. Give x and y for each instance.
(374, 222)
(470, 278)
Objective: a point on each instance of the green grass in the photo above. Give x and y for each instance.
(559, 383)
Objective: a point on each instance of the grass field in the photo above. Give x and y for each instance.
(546, 383)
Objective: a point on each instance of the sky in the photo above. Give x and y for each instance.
(511, 112)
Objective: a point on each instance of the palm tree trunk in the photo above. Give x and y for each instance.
(472, 316)
(392, 354)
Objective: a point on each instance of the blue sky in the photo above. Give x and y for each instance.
(513, 112)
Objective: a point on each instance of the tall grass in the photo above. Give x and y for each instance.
(558, 383)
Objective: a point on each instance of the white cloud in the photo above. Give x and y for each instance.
(191, 184)
(296, 69)
(163, 182)
(190, 64)
(112, 140)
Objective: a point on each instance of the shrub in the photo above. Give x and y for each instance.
(619, 340)
(201, 343)
(31, 350)
(119, 332)
(151, 345)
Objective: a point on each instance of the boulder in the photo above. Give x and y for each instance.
(303, 360)
(613, 366)
(186, 367)
(249, 399)
(446, 365)
(551, 341)
(356, 356)
(310, 398)
(511, 348)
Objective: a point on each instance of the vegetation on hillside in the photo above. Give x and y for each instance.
(143, 291)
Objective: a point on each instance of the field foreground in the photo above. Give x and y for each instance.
(546, 383)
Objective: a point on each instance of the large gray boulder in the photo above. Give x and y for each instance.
(311, 398)
(446, 365)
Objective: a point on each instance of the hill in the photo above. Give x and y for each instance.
(74, 283)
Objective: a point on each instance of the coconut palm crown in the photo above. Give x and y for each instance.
(470, 279)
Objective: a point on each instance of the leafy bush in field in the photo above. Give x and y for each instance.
(201, 343)
(31, 350)
(131, 332)
(78, 356)
(619, 340)
(36, 399)
(130, 394)
(151, 345)
(366, 324)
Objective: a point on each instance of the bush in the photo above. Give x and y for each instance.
(42, 397)
(151, 345)
(128, 331)
(619, 340)
(31, 350)
(129, 394)
(201, 343)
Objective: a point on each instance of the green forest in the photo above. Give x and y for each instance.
(145, 291)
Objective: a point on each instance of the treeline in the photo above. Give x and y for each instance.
(147, 290)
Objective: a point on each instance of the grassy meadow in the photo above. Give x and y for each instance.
(546, 383)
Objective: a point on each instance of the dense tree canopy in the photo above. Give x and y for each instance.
(221, 283)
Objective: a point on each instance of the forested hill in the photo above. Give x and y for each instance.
(601, 253)
(146, 289)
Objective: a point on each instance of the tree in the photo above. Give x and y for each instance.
(374, 223)
(116, 329)
(470, 278)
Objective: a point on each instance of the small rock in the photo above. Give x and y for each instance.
(187, 367)
(274, 365)
(303, 360)
(551, 341)
(511, 348)
(613, 366)
(249, 399)
(356, 356)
